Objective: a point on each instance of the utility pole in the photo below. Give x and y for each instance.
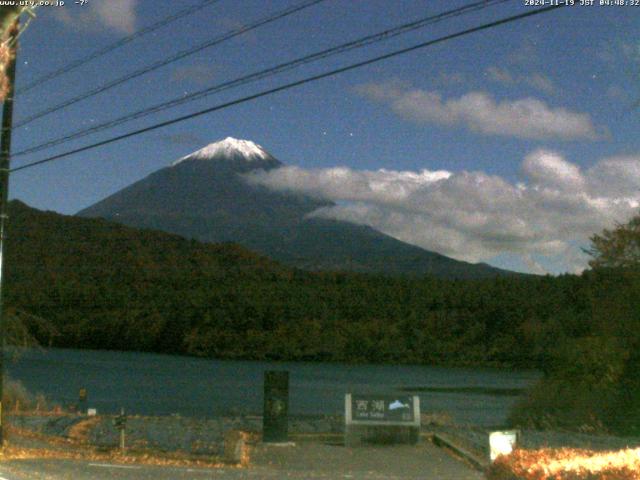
(5, 165)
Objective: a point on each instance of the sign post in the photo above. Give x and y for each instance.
(275, 420)
(120, 423)
(382, 419)
(82, 401)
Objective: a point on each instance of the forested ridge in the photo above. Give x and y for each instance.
(106, 286)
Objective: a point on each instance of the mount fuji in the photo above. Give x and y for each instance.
(205, 197)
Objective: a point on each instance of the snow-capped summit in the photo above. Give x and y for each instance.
(229, 148)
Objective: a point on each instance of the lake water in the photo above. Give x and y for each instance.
(151, 384)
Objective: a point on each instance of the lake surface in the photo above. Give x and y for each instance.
(151, 384)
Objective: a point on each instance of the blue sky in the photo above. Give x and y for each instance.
(534, 122)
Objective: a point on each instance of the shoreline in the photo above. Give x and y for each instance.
(461, 365)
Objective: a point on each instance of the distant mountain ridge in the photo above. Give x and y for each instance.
(204, 196)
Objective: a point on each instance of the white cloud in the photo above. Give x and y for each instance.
(118, 15)
(346, 184)
(446, 79)
(533, 265)
(537, 81)
(523, 118)
(499, 75)
(474, 216)
(616, 177)
(546, 168)
(540, 82)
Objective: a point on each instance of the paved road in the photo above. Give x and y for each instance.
(82, 470)
(309, 461)
(316, 461)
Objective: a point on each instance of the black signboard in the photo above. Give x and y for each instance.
(120, 421)
(382, 408)
(276, 406)
(82, 400)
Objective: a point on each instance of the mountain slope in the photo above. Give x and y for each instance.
(204, 196)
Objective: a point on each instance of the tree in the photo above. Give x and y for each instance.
(617, 248)
(592, 377)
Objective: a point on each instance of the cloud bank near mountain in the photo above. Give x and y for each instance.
(475, 216)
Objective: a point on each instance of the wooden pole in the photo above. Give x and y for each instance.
(5, 165)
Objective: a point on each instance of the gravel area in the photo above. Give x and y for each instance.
(166, 433)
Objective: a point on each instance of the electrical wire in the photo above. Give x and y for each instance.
(167, 61)
(288, 86)
(109, 48)
(323, 54)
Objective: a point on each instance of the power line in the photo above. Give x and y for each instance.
(174, 58)
(288, 86)
(109, 48)
(323, 54)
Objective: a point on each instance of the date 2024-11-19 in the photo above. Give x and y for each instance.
(582, 3)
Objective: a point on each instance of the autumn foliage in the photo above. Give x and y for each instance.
(566, 464)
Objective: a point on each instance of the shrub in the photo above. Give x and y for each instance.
(566, 464)
(17, 397)
(579, 390)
